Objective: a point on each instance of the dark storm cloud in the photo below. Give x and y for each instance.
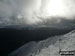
(15, 12)
(27, 12)
(59, 22)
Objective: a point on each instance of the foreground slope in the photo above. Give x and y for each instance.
(48, 47)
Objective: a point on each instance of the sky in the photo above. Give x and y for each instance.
(45, 13)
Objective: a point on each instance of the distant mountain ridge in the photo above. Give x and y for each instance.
(11, 38)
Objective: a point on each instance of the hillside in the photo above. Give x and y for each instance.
(48, 47)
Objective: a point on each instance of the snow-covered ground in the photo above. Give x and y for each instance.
(48, 47)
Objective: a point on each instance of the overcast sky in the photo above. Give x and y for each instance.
(47, 13)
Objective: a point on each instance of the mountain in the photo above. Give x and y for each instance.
(11, 39)
(48, 47)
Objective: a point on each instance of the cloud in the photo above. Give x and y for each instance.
(59, 22)
(15, 12)
(29, 13)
